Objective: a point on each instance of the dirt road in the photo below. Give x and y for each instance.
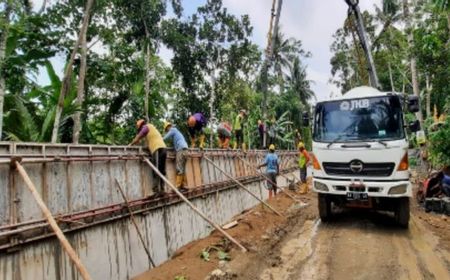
(360, 246)
(356, 245)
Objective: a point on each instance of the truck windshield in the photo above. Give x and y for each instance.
(376, 118)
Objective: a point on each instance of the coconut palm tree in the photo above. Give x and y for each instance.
(285, 51)
(298, 83)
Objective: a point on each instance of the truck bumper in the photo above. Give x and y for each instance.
(373, 188)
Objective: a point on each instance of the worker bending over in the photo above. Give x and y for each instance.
(272, 170)
(157, 147)
(224, 134)
(196, 123)
(180, 146)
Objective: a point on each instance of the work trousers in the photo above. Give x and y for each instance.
(180, 161)
(303, 174)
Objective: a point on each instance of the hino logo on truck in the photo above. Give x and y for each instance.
(356, 166)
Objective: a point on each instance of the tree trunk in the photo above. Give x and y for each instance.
(3, 39)
(68, 73)
(147, 81)
(428, 91)
(413, 63)
(80, 89)
(390, 77)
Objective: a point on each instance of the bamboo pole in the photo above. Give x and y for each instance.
(267, 178)
(216, 226)
(133, 220)
(242, 186)
(64, 243)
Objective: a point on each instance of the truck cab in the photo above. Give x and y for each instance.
(360, 153)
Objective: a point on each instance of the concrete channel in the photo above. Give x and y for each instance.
(77, 182)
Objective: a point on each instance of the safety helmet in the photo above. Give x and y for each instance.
(300, 145)
(243, 111)
(167, 124)
(191, 121)
(272, 147)
(139, 123)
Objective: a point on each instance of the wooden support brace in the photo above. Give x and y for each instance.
(64, 243)
(267, 178)
(216, 226)
(242, 185)
(133, 220)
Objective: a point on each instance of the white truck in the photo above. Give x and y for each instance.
(360, 153)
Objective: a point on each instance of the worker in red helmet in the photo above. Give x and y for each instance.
(196, 123)
(157, 147)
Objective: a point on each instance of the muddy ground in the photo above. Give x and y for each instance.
(356, 245)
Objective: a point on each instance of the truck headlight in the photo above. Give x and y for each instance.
(400, 189)
(320, 186)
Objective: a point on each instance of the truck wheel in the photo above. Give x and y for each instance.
(402, 212)
(324, 207)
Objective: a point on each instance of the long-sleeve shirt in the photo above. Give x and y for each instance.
(179, 143)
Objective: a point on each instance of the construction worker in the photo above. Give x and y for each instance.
(196, 123)
(303, 161)
(180, 146)
(238, 128)
(272, 170)
(157, 147)
(224, 134)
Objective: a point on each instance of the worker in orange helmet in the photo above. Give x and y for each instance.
(157, 147)
(196, 123)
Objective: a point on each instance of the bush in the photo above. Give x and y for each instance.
(440, 143)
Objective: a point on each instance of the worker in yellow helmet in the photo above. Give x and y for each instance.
(181, 147)
(303, 161)
(157, 148)
(272, 170)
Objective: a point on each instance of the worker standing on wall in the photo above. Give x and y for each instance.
(238, 128)
(224, 134)
(196, 123)
(180, 146)
(303, 161)
(157, 149)
(272, 170)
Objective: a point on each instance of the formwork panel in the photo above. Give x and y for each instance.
(56, 180)
(27, 207)
(80, 186)
(133, 179)
(4, 194)
(101, 183)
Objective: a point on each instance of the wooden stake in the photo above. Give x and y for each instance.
(242, 186)
(193, 207)
(133, 220)
(64, 243)
(267, 178)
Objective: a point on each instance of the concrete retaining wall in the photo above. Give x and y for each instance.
(111, 250)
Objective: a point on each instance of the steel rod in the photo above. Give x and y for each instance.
(193, 207)
(242, 185)
(65, 244)
(133, 220)
(267, 178)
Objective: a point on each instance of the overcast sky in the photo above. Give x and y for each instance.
(311, 21)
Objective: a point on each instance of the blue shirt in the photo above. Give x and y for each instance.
(272, 163)
(446, 180)
(179, 143)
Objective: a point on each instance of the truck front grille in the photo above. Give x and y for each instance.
(379, 169)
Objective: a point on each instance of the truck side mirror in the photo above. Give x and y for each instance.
(305, 119)
(413, 104)
(414, 126)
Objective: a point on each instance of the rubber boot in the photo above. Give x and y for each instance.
(202, 141)
(193, 142)
(179, 181)
(244, 147)
(235, 145)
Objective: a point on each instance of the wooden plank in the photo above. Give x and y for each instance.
(197, 172)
